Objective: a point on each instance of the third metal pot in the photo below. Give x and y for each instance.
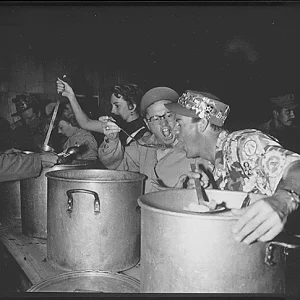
(183, 251)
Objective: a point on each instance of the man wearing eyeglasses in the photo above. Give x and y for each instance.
(159, 154)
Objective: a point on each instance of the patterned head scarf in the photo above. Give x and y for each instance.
(201, 105)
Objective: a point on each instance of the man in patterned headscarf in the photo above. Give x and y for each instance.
(245, 160)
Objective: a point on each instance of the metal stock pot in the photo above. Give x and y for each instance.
(34, 199)
(93, 221)
(10, 201)
(185, 251)
(10, 204)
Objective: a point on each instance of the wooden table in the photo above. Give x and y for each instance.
(24, 259)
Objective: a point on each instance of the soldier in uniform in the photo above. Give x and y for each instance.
(281, 125)
(30, 131)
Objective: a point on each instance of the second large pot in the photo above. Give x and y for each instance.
(93, 220)
(33, 193)
(10, 204)
(188, 252)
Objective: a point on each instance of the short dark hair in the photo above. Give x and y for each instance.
(69, 119)
(130, 92)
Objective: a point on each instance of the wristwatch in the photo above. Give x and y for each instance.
(294, 196)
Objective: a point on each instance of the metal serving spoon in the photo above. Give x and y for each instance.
(71, 150)
(151, 145)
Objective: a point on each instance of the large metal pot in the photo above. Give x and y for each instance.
(93, 221)
(10, 203)
(185, 251)
(34, 199)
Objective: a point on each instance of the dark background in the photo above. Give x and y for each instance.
(244, 53)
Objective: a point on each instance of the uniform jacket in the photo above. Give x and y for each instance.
(155, 164)
(18, 166)
(29, 138)
(288, 137)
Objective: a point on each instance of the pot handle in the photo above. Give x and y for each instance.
(287, 241)
(70, 199)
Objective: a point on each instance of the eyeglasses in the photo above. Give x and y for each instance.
(169, 116)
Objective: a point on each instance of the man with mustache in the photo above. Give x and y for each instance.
(281, 125)
(164, 164)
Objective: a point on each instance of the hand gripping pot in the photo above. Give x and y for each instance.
(93, 221)
(184, 251)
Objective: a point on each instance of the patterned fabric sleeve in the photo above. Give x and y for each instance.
(250, 161)
(263, 161)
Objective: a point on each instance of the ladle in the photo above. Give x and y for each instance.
(71, 150)
(155, 146)
(201, 194)
(63, 156)
(45, 146)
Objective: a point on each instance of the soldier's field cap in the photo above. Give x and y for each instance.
(157, 94)
(201, 105)
(286, 101)
(23, 103)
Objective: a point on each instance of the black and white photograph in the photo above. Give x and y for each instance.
(150, 148)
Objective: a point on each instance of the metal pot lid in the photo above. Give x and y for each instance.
(88, 282)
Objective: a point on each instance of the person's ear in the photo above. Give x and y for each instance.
(275, 113)
(202, 124)
(132, 107)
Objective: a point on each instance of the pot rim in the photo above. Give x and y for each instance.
(225, 214)
(85, 273)
(55, 176)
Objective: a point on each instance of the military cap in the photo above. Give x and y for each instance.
(157, 94)
(23, 103)
(286, 101)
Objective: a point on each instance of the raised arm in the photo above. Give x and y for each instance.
(83, 120)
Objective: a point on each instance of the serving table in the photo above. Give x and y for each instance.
(23, 260)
